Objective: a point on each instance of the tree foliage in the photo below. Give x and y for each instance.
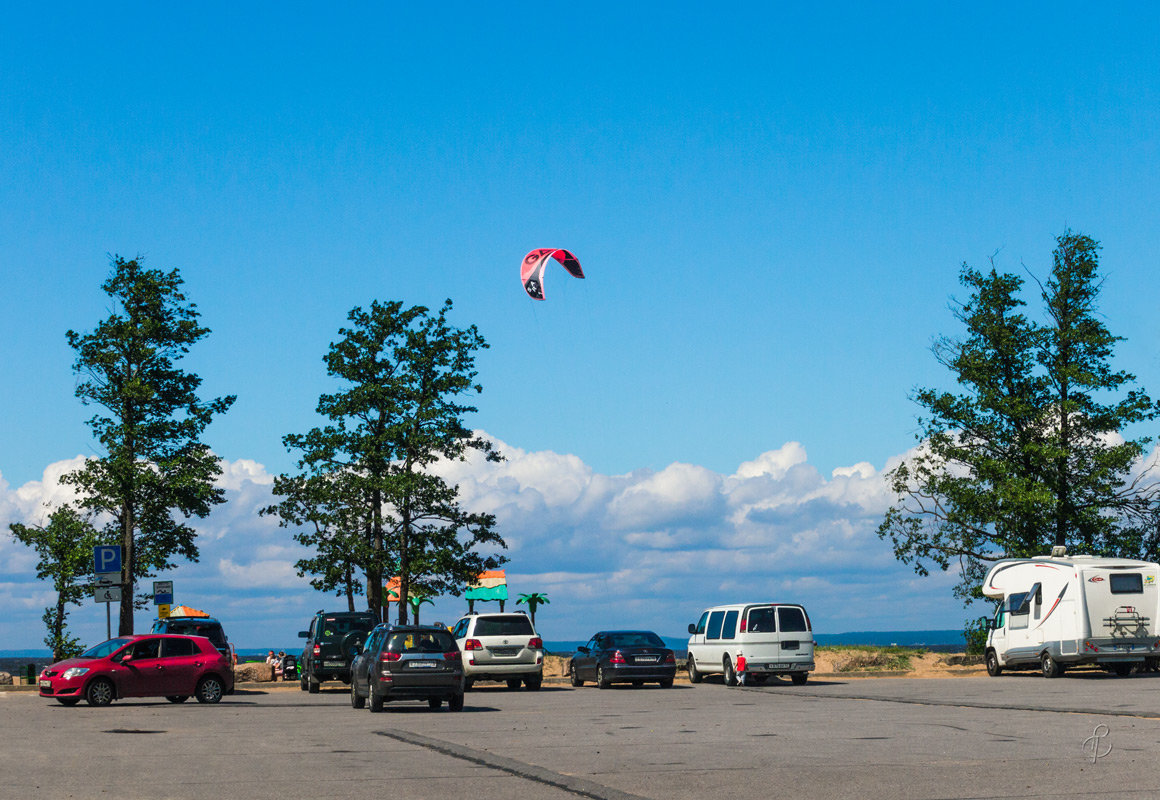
(149, 424)
(65, 550)
(1030, 451)
(366, 486)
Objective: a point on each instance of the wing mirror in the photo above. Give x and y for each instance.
(692, 627)
(583, 650)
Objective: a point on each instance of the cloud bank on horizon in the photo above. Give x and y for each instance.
(647, 548)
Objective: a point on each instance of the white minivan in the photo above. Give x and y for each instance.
(749, 642)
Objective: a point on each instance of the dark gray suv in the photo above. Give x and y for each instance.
(334, 638)
(407, 662)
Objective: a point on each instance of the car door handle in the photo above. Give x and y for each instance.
(197, 663)
(160, 668)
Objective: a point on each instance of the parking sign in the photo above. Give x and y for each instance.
(107, 558)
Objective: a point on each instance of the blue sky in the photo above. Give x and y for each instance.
(770, 203)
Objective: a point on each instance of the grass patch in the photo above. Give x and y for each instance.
(868, 658)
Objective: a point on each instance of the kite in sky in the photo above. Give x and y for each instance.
(532, 270)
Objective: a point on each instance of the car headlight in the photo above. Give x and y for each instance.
(74, 672)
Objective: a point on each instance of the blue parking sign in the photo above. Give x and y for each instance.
(107, 558)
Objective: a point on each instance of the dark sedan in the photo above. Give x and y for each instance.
(636, 657)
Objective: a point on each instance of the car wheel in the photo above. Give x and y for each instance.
(209, 690)
(376, 702)
(68, 701)
(1051, 668)
(313, 686)
(993, 668)
(667, 683)
(356, 699)
(602, 680)
(799, 678)
(694, 675)
(455, 702)
(99, 693)
(177, 698)
(532, 684)
(730, 673)
(434, 702)
(574, 676)
(302, 684)
(513, 683)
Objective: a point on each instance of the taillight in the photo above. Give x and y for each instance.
(670, 659)
(740, 663)
(452, 656)
(473, 644)
(617, 658)
(743, 623)
(536, 643)
(317, 650)
(389, 656)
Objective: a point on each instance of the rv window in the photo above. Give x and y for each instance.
(1017, 607)
(1132, 583)
(714, 629)
(729, 630)
(1035, 595)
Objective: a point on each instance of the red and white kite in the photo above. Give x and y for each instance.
(532, 270)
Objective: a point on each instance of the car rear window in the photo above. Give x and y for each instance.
(421, 642)
(517, 625)
(210, 630)
(792, 620)
(635, 639)
(334, 628)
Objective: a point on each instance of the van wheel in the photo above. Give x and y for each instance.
(691, 668)
(993, 668)
(799, 678)
(1123, 669)
(1051, 667)
(730, 673)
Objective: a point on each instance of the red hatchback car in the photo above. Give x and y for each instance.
(154, 665)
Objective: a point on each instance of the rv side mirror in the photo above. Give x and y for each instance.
(692, 627)
(989, 625)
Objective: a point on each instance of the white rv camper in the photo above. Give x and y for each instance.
(1060, 610)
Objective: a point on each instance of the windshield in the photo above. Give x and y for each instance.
(634, 639)
(105, 648)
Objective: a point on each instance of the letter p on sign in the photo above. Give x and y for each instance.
(107, 558)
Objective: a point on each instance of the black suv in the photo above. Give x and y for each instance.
(408, 662)
(208, 627)
(334, 638)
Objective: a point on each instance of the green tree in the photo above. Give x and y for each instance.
(534, 600)
(403, 372)
(65, 547)
(1028, 453)
(149, 426)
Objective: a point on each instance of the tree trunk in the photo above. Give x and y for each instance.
(125, 623)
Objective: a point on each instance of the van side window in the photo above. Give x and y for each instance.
(714, 629)
(1132, 583)
(702, 622)
(729, 631)
(792, 620)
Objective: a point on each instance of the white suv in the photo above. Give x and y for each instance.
(749, 642)
(500, 647)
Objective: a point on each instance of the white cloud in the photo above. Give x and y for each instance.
(650, 548)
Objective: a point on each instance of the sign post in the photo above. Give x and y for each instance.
(108, 583)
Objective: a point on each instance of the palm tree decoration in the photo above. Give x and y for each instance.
(415, 602)
(533, 599)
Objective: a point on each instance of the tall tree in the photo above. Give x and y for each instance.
(149, 425)
(65, 547)
(404, 372)
(1026, 455)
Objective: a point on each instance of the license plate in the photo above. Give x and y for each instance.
(333, 664)
(424, 664)
(645, 659)
(779, 666)
(46, 684)
(505, 651)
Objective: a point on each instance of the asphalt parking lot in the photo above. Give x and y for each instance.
(1084, 735)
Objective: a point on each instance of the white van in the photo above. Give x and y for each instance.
(749, 642)
(1057, 611)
